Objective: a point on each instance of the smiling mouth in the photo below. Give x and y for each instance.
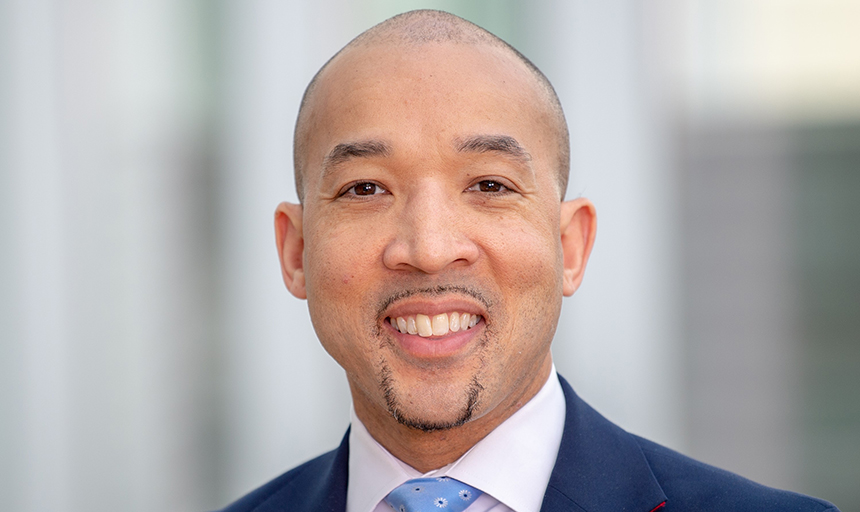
(434, 325)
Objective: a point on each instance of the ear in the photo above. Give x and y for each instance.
(291, 246)
(578, 229)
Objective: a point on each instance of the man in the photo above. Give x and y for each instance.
(434, 247)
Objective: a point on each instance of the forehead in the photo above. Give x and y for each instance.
(423, 95)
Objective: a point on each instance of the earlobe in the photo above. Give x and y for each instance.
(291, 245)
(578, 229)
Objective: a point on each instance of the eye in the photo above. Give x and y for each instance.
(366, 188)
(490, 186)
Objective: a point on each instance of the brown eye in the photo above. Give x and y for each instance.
(365, 189)
(490, 186)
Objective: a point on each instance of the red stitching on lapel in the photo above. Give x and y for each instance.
(658, 506)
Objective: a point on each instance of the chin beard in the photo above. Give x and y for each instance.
(423, 424)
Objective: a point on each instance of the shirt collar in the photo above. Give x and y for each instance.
(513, 463)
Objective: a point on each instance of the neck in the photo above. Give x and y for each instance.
(426, 451)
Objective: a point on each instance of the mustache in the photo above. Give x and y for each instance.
(434, 291)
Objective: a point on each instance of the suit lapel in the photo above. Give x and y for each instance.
(600, 467)
(319, 486)
(330, 495)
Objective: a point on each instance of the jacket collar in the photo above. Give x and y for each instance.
(330, 493)
(600, 467)
(317, 486)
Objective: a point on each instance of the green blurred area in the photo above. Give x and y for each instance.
(828, 224)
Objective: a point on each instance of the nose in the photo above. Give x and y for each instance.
(432, 234)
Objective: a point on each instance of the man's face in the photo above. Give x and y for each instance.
(431, 189)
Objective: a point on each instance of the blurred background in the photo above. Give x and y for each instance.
(151, 359)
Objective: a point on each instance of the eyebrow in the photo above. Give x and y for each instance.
(503, 144)
(359, 149)
(494, 143)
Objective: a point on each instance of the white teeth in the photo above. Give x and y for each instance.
(454, 322)
(425, 329)
(438, 325)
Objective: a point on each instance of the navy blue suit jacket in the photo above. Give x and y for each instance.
(600, 468)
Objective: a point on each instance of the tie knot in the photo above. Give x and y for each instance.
(441, 494)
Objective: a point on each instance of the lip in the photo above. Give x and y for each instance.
(435, 347)
(435, 307)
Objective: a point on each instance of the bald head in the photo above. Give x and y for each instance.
(429, 27)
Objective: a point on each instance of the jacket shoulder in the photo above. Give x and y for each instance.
(693, 485)
(318, 485)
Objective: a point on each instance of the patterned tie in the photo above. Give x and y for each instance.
(441, 494)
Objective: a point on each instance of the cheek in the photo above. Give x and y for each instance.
(339, 274)
(527, 255)
(339, 262)
(527, 263)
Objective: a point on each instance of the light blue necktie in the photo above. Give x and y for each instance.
(441, 494)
